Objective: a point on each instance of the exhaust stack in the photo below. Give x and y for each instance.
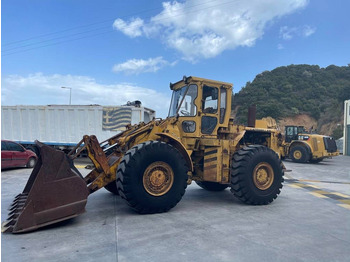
(251, 116)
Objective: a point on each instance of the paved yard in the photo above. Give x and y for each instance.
(309, 221)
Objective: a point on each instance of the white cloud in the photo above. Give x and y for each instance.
(287, 33)
(136, 66)
(200, 29)
(40, 89)
(132, 29)
(280, 47)
(308, 30)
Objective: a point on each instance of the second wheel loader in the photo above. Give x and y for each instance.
(150, 165)
(301, 146)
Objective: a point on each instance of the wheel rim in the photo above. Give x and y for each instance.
(297, 154)
(158, 178)
(263, 176)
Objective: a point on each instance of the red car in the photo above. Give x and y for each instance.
(15, 155)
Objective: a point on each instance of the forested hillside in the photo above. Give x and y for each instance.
(290, 91)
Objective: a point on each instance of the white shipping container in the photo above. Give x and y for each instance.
(346, 140)
(66, 124)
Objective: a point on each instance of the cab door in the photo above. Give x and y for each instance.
(291, 133)
(214, 111)
(210, 112)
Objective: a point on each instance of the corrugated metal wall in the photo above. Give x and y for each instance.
(346, 147)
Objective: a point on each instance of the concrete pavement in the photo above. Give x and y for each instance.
(300, 225)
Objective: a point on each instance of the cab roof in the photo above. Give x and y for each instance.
(187, 80)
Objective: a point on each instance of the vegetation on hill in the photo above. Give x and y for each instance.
(291, 90)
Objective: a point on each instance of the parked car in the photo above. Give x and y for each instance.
(15, 155)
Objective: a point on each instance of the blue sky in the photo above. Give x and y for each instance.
(111, 52)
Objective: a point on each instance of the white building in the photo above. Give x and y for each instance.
(346, 141)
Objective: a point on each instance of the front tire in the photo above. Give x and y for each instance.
(211, 186)
(299, 154)
(152, 177)
(256, 175)
(112, 187)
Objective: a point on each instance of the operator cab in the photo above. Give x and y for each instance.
(201, 105)
(292, 132)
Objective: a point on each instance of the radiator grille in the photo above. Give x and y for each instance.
(330, 144)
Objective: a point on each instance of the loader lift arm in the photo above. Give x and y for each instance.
(105, 169)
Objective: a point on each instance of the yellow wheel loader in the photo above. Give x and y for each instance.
(302, 147)
(150, 165)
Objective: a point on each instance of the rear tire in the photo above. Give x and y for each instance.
(256, 175)
(211, 186)
(31, 162)
(152, 177)
(299, 154)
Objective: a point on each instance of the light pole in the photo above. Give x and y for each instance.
(70, 94)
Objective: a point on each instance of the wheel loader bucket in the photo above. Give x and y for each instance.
(54, 192)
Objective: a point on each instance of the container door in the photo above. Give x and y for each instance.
(348, 141)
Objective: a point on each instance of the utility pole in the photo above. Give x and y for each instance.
(70, 94)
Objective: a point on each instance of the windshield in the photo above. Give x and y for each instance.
(182, 101)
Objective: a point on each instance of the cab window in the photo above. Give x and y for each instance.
(210, 100)
(222, 104)
(188, 107)
(183, 101)
(290, 131)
